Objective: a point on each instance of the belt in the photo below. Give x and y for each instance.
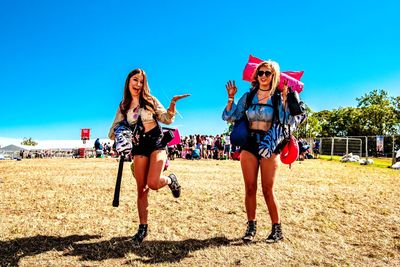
(258, 135)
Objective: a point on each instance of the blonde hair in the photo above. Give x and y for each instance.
(276, 73)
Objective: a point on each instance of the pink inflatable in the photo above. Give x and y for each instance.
(291, 77)
(290, 151)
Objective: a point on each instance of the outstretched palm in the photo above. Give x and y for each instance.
(178, 97)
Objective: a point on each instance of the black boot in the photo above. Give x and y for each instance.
(174, 186)
(250, 231)
(276, 233)
(141, 233)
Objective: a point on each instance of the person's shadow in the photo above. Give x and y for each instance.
(148, 252)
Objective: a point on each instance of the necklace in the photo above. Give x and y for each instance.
(259, 99)
(264, 89)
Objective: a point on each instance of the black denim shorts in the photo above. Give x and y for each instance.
(149, 142)
(253, 142)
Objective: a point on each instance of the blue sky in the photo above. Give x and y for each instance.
(63, 63)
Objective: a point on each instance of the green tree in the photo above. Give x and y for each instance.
(28, 142)
(379, 113)
(311, 127)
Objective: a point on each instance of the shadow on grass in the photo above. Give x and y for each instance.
(148, 252)
(12, 251)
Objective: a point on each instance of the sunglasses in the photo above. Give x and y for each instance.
(260, 73)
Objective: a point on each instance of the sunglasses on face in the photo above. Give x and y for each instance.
(267, 73)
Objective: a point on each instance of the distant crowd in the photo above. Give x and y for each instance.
(196, 147)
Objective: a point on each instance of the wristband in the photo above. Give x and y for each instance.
(230, 99)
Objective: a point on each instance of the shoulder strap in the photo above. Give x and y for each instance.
(275, 102)
(250, 97)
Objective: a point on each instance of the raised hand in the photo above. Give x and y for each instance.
(179, 97)
(231, 88)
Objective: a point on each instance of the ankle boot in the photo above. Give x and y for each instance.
(276, 233)
(141, 233)
(174, 186)
(250, 231)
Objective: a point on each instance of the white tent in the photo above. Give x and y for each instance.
(52, 144)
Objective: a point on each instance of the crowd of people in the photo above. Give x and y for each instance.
(204, 147)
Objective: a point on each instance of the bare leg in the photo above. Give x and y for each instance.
(141, 164)
(155, 179)
(249, 164)
(268, 173)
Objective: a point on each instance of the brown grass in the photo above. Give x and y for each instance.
(58, 212)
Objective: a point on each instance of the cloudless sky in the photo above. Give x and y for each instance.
(63, 63)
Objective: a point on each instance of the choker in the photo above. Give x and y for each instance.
(264, 90)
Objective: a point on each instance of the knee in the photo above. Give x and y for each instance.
(268, 191)
(251, 190)
(152, 183)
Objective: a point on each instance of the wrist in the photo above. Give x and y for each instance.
(171, 113)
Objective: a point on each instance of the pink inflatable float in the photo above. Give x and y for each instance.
(291, 77)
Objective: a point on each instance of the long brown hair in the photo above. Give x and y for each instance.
(146, 100)
(275, 75)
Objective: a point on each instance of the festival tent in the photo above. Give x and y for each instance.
(11, 148)
(51, 144)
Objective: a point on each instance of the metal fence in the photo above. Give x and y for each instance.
(364, 146)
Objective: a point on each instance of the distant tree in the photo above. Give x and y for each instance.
(28, 142)
(380, 113)
(323, 119)
(311, 127)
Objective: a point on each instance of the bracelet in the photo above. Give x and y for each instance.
(230, 99)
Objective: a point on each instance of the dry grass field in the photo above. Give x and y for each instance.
(58, 212)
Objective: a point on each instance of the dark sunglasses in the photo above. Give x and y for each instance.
(260, 73)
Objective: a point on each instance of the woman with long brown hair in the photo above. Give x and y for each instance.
(138, 106)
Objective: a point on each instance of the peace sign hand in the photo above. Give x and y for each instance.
(231, 88)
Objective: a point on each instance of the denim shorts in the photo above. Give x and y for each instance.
(149, 142)
(253, 142)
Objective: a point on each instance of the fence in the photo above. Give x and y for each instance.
(364, 146)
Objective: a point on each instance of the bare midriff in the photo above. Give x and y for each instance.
(149, 125)
(260, 125)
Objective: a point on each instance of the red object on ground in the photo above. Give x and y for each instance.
(82, 152)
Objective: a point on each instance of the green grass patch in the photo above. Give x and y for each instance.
(378, 162)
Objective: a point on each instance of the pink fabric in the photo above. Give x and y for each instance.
(292, 77)
(176, 139)
(290, 151)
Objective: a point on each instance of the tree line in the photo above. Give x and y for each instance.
(376, 113)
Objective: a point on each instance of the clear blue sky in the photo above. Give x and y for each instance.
(63, 63)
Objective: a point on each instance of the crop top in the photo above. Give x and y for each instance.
(161, 115)
(255, 111)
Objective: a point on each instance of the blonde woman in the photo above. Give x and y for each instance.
(138, 106)
(265, 108)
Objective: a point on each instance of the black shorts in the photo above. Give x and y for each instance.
(149, 142)
(253, 142)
